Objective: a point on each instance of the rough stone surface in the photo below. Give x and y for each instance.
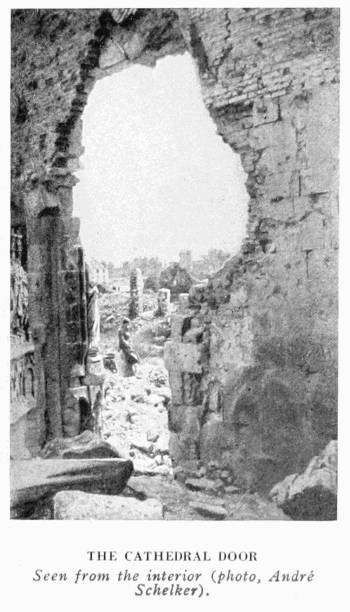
(74, 505)
(311, 495)
(210, 511)
(180, 503)
(202, 484)
(262, 400)
(85, 446)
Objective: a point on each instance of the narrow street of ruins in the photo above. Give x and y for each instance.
(135, 423)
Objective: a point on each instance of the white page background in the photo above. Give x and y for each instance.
(62, 546)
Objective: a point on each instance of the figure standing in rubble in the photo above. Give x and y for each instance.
(130, 356)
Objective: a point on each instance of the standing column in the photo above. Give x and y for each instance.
(136, 294)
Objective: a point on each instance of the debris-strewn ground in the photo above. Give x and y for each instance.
(135, 418)
(135, 421)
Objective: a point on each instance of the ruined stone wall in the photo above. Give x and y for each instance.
(269, 78)
(271, 87)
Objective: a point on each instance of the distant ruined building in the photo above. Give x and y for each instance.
(185, 260)
(98, 272)
(253, 355)
(176, 279)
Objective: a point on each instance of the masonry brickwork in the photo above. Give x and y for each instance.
(260, 395)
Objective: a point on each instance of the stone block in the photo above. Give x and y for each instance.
(322, 142)
(212, 440)
(182, 357)
(301, 205)
(112, 54)
(76, 505)
(280, 209)
(312, 234)
(176, 322)
(175, 382)
(278, 185)
(321, 266)
(134, 46)
(265, 110)
(311, 495)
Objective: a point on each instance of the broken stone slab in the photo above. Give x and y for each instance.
(311, 495)
(210, 511)
(202, 484)
(34, 479)
(231, 490)
(84, 446)
(75, 505)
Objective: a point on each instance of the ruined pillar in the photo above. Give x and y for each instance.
(136, 293)
(50, 338)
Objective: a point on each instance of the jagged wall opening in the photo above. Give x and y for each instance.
(105, 192)
(156, 179)
(270, 315)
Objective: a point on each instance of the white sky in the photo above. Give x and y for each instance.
(156, 177)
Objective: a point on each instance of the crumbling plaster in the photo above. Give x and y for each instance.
(269, 78)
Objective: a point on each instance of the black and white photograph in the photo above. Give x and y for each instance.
(174, 264)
